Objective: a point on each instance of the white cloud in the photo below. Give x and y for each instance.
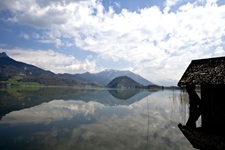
(58, 43)
(117, 4)
(157, 43)
(51, 60)
(219, 51)
(24, 35)
(170, 3)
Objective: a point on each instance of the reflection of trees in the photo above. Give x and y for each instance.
(123, 94)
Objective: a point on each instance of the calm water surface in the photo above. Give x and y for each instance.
(66, 118)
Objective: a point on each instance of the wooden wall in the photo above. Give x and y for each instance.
(213, 108)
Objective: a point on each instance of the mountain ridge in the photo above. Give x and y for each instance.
(23, 72)
(112, 74)
(105, 76)
(30, 73)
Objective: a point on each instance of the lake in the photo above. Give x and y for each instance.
(89, 119)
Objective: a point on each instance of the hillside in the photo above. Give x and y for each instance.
(86, 78)
(123, 82)
(15, 71)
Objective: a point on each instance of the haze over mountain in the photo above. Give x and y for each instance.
(10, 68)
(104, 77)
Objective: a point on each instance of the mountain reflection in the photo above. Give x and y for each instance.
(145, 123)
(17, 99)
(123, 94)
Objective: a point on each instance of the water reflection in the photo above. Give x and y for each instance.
(209, 111)
(17, 99)
(123, 94)
(148, 120)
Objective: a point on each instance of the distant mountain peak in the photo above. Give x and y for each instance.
(3, 55)
(110, 74)
(87, 73)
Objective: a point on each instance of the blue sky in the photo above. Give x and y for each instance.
(154, 38)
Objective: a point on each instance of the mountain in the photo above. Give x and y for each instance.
(19, 71)
(86, 78)
(123, 82)
(103, 78)
(3, 55)
(10, 67)
(111, 74)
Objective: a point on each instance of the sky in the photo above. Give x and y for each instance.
(156, 39)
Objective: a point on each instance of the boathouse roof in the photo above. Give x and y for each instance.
(204, 71)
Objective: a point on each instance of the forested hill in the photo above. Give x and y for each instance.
(123, 82)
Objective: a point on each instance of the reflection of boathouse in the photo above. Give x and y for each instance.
(209, 74)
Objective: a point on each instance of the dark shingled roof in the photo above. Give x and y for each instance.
(204, 71)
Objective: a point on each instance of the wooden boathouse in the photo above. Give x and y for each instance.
(209, 75)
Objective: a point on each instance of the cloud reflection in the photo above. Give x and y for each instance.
(52, 111)
(145, 124)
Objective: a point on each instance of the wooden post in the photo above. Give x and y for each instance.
(194, 108)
